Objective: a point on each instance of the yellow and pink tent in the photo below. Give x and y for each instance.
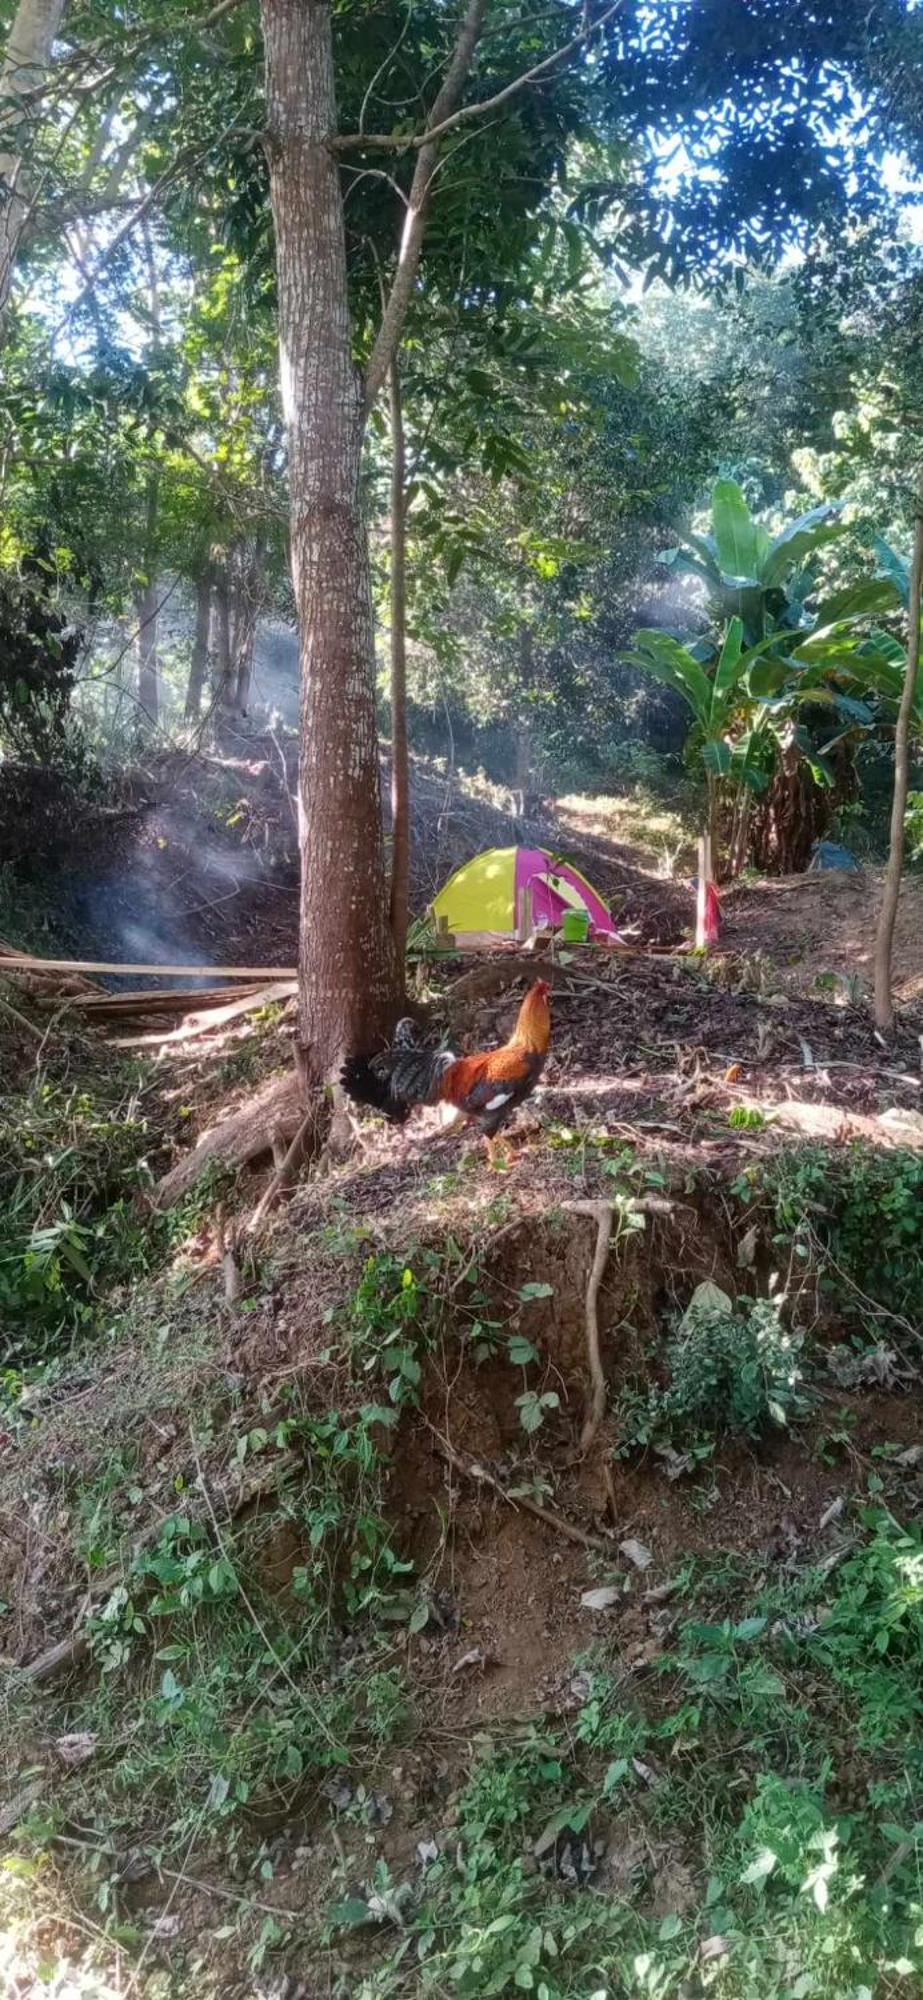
(491, 892)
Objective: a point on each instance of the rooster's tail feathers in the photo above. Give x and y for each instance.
(366, 1085)
(394, 1082)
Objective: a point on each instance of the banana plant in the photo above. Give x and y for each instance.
(746, 698)
(748, 572)
(745, 704)
(870, 665)
(773, 655)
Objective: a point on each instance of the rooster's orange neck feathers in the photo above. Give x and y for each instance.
(533, 1027)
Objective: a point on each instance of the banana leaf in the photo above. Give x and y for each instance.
(798, 541)
(767, 676)
(858, 600)
(894, 567)
(716, 756)
(739, 542)
(657, 653)
(680, 559)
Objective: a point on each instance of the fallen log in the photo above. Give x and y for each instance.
(500, 969)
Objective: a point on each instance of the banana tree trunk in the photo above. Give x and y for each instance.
(741, 831)
(714, 826)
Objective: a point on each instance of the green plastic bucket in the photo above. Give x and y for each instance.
(576, 926)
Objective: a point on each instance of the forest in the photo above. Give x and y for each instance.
(461, 999)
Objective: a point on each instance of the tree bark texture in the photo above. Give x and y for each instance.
(884, 941)
(400, 760)
(25, 63)
(350, 983)
(244, 646)
(198, 665)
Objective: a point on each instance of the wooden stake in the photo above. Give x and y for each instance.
(703, 850)
(524, 914)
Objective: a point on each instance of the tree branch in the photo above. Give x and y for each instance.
(445, 104)
(402, 142)
(190, 156)
(125, 229)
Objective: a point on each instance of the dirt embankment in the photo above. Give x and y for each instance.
(818, 930)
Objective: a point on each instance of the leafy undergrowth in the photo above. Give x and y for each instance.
(82, 1137)
(854, 1219)
(747, 1821)
(339, 1716)
(73, 1160)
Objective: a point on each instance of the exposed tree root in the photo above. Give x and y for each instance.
(596, 1406)
(227, 1250)
(277, 1108)
(470, 1469)
(603, 1213)
(305, 1143)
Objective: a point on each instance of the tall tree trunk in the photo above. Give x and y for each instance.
(244, 663)
(244, 647)
(198, 665)
(522, 767)
(249, 596)
(146, 607)
(221, 643)
(148, 665)
(28, 51)
(349, 974)
(400, 761)
(884, 941)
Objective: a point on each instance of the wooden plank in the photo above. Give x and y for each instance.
(168, 998)
(9, 953)
(22, 963)
(206, 1022)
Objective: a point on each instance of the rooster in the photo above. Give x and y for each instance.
(485, 1089)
